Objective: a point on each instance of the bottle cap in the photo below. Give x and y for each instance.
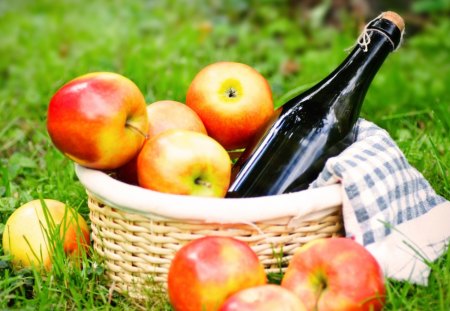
(394, 18)
(388, 23)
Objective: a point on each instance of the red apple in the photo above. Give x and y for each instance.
(268, 297)
(184, 162)
(335, 274)
(168, 114)
(233, 100)
(206, 271)
(32, 230)
(99, 120)
(162, 116)
(127, 173)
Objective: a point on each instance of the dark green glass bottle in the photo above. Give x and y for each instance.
(317, 124)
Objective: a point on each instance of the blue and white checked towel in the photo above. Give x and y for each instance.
(388, 206)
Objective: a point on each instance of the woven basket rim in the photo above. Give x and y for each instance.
(299, 206)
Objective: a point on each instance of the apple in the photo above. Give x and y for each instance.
(98, 120)
(233, 100)
(184, 162)
(206, 271)
(335, 274)
(162, 115)
(267, 297)
(32, 233)
(127, 173)
(168, 114)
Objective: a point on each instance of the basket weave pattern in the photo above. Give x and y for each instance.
(137, 250)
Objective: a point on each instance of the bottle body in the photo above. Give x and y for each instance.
(311, 127)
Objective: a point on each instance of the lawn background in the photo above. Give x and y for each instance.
(161, 45)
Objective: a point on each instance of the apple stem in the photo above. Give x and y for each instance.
(201, 182)
(136, 129)
(322, 285)
(231, 92)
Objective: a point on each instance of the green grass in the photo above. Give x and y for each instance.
(161, 45)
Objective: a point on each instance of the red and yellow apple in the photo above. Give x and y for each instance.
(98, 120)
(168, 114)
(184, 162)
(162, 115)
(33, 231)
(206, 271)
(233, 100)
(267, 297)
(335, 274)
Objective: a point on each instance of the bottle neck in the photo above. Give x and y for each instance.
(356, 72)
(377, 40)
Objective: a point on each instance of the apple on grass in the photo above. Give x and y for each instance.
(335, 274)
(98, 120)
(267, 297)
(233, 100)
(184, 162)
(163, 115)
(206, 271)
(34, 230)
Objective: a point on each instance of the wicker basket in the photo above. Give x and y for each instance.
(137, 231)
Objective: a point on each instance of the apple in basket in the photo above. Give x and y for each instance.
(269, 297)
(98, 120)
(206, 271)
(162, 116)
(184, 162)
(335, 274)
(36, 229)
(233, 100)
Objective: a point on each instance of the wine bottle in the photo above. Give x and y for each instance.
(317, 124)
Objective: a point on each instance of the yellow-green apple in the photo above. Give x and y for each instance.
(233, 100)
(169, 114)
(269, 297)
(335, 274)
(99, 120)
(162, 116)
(206, 271)
(184, 162)
(35, 229)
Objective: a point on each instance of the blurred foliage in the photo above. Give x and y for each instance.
(431, 6)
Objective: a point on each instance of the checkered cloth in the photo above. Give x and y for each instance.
(389, 207)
